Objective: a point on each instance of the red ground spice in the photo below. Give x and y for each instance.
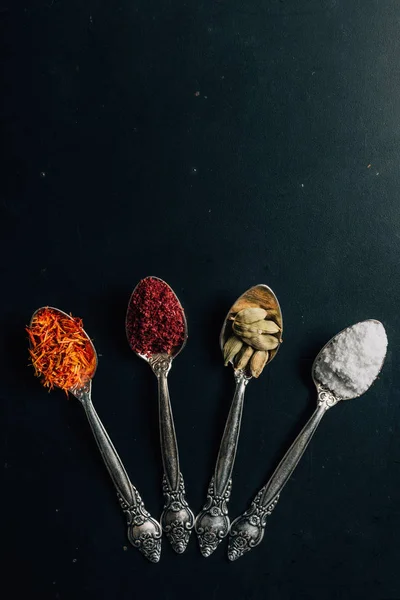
(155, 321)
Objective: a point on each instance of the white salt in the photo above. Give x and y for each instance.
(351, 361)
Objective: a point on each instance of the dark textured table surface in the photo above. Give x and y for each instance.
(217, 145)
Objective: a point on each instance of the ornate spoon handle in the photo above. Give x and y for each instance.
(212, 523)
(247, 531)
(144, 532)
(177, 519)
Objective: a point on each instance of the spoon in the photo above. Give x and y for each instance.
(177, 519)
(212, 523)
(144, 532)
(348, 378)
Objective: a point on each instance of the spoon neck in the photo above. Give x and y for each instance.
(241, 380)
(227, 451)
(127, 494)
(161, 364)
(83, 392)
(326, 399)
(271, 491)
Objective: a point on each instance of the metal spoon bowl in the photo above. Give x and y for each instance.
(258, 296)
(61, 312)
(212, 523)
(177, 519)
(247, 531)
(178, 349)
(318, 382)
(144, 532)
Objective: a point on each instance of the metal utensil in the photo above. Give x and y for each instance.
(177, 519)
(144, 532)
(212, 523)
(247, 531)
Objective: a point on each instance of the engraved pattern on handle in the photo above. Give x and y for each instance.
(247, 531)
(177, 520)
(144, 532)
(212, 523)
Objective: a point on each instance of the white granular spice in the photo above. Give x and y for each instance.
(352, 360)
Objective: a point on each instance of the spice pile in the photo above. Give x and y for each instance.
(155, 322)
(349, 364)
(253, 337)
(60, 351)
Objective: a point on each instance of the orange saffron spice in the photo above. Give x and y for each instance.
(60, 351)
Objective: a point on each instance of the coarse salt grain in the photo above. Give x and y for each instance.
(352, 360)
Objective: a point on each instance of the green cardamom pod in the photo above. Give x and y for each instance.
(263, 341)
(231, 348)
(243, 357)
(250, 315)
(266, 327)
(258, 327)
(242, 331)
(258, 362)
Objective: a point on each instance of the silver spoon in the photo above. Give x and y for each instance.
(177, 519)
(332, 385)
(144, 532)
(212, 523)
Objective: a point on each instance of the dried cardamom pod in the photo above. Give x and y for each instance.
(263, 341)
(250, 315)
(231, 348)
(258, 362)
(243, 357)
(266, 327)
(243, 331)
(258, 327)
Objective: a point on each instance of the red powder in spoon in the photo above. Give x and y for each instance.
(155, 322)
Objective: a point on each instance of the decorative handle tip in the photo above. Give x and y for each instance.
(147, 539)
(247, 531)
(212, 523)
(177, 520)
(144, 532)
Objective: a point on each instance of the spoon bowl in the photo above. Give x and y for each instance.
(348, 379)
(258, 296)
(177, 349)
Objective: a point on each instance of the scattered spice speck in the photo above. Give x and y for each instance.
(124, 548)
(369, 166)
(42, 174)
(74, 560)
(197, 94)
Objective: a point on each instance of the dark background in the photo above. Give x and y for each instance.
(217, 145)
